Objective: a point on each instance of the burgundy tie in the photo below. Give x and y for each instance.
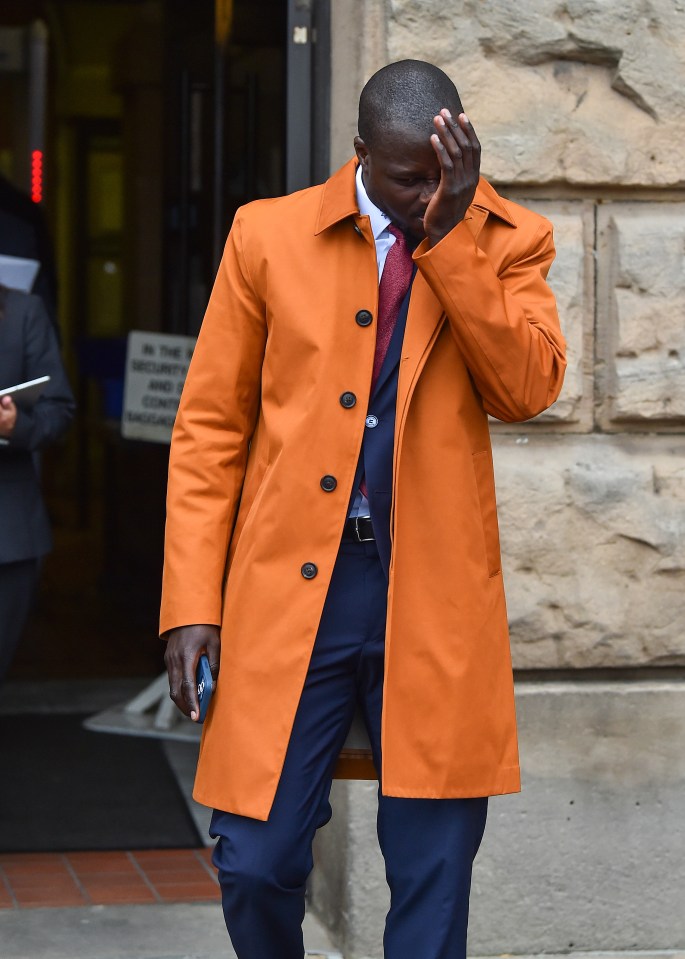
(394, 284)
(395, 280)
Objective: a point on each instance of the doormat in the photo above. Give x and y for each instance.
(63, 788)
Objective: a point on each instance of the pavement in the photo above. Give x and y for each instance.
(169, 931)
(160, 929)
(123, 927)
(178, 931)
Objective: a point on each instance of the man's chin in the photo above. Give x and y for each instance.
(416, 229)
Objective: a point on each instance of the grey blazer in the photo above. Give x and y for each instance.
(28, 349)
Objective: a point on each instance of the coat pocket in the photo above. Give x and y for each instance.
(485, 481)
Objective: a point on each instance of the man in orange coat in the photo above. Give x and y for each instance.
(332, 535)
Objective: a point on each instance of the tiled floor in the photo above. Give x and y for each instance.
(29, 880)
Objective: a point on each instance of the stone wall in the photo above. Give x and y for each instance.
(579, 92)
(580, 107)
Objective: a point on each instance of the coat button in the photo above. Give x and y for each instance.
(364, 318)
(309, 570)
(358, 229)
(328, 483)
(371, 421)
(348, 400)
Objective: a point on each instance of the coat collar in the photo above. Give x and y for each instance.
(488, 199)
(339, 197)
(339, 200)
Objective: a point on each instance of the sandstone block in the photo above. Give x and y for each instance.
(579, 91)
(590, 854)
(641, 335)
(593, 542)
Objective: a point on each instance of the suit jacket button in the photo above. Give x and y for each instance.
(348, 400)
(309, 570)
(328, 483)
(364, 318)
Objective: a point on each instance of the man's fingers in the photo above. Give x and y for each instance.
(214, 656)
(467, 127)
(185, 645)
(450, 153)
(451, 169)
(176, 683)
(446, 161)
(454, 150)
(458, 141)
(189, 687)
(469, 142)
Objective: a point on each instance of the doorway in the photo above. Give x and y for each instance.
(157, 128)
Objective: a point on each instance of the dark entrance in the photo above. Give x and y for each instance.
(161, 118)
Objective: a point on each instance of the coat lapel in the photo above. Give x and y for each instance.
(424, 317)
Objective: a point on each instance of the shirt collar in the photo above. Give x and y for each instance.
(379, 221)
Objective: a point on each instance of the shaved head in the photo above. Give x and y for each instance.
(405, 96)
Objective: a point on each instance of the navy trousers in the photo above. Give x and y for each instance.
(428, 844)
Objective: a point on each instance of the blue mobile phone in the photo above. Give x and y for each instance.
(205, 683)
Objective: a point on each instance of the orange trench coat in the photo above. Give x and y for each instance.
(261, 421)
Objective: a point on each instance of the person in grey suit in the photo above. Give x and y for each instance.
(28, 350)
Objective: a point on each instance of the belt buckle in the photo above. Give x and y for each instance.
(366, 539)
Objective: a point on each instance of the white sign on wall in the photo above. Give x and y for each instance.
(156, 367)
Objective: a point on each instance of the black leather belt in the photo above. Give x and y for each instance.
(358, 530)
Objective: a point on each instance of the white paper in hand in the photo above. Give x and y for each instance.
(18, 272)
(26, 393)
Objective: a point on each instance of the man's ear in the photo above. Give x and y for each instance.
(362, 152)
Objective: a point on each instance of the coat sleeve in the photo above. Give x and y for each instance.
(46, 422)
(215, 422)
(505, 323)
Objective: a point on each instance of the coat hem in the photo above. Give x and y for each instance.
(236, 809)
(507, 783)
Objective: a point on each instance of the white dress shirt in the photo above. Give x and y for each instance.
(383, 240)
(379, 223)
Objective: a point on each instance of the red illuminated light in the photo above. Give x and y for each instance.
(37, 176)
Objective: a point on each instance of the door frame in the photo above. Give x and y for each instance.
(308, 46)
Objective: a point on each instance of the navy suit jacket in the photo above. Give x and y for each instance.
(28, 349)
(376, 459)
